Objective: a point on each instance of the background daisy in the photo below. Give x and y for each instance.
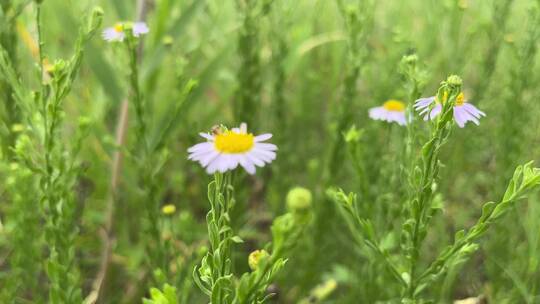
(390, 111)
(117, 32)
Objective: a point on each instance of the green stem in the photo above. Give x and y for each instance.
(420, 204)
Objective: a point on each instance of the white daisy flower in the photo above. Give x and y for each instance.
(117, 32)
(392, 110)
(463, 111)
(225, 150)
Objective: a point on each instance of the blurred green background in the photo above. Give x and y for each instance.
(302, 52)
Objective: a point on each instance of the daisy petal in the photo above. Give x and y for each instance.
(265, 146)
(434, 112)
(263, 137)
(247, 165)
(473, 110)
(200, 147)
(423, 102)
(207, 136)
(213, 165)
(140, 28)
(207, 158)
(258, 162)
(460, 116)
(110, 34)
(378, 113)
(243, 128)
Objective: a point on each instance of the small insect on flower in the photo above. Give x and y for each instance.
(226, 149)
(117, 32)
(463, 111)
(391, 111)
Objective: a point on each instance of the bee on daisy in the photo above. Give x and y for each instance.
(391, 111)
(225, 149)
(464, 112)
(117, 32)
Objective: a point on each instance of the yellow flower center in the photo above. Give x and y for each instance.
(394, 105)
(119, 27)
(460, 99)
(231, 142)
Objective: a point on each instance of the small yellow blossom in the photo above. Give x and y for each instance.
(168, 209)
(256, 257)
(16, 128)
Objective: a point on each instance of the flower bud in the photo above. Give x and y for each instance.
(167, 40)
(353, 135)
(256, 257)
(454, 80)
(95, 19)
(410, 59)
(201, 251)
(84, 122)
(299, 199)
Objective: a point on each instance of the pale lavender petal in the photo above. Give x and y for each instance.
(232, 161)
(205, 160)
(434, 112)
(223, 164)
(243, 128)
(378, 113)
(464, 115)
(460, 116)
(401, 120)
(110, 34)
(140, 28)
(423, 102)
(202, 150)
(473, 110)
(391, 116)
(213, 165)
(265, 146)
(252, 158)
(247, 164)
(207, 136)
(263, 137)
(199, 154)
(469, 117)
(200, 147)
(266, 156)
(396, 116)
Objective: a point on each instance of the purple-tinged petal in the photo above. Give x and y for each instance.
(423, 102)
(207, 136)
(263, 137)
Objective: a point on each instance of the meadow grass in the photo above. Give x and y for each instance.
(346, 184)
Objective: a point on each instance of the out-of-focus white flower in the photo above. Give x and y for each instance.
(117, 32)
(463, 111)
(225, 150)
(390, 111)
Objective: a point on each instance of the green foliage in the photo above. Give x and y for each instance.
(167, 296)
(99, 202)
